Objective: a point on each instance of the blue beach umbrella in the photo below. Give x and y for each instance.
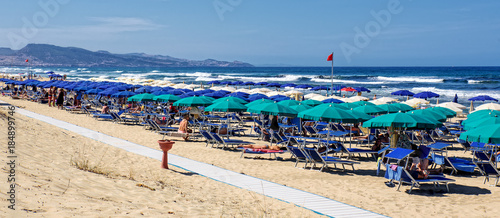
(303, 86)
(332, 100)
(273, 85)
(403, 93)
(249, 83)
(123, 94)
(483, 98)
(426, 95)
(316, 88)
(257, 96)
(261, 83)
(214, 82)
(362, 89)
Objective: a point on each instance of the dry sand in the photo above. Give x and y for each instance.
(50, 185)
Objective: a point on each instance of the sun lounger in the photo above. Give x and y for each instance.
(400, 174)
(226, 142)
(314, 157)
(440, 157)
(260, 151)
(484, 163)
(352, 151)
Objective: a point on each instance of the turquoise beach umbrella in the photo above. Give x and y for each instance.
(272, 109)
(259, 101)
(231, 98)
(289, 102)
(401, 120)
(166, 98)
(369, 109)
(226, 106)
(301, 107)
(481, 122)
(485, 134)
(328, 114)
(142, 97)
(194, 101)
(312, 102)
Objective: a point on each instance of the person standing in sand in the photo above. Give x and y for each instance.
(60, 98)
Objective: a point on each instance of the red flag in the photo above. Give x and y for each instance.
(26, 60)
(330, 57)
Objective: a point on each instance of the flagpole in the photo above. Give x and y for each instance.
(332, 73)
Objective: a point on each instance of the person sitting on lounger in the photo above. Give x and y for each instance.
(274, 147)
(183, 127)
(105, 109)
(420, 165)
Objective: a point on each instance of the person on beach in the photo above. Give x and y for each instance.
(274, 124)
(50, 95)
(105, 109)
(183, 127)
(60, 98)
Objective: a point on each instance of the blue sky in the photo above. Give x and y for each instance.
(293, 32)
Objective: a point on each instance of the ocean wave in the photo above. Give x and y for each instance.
(319, 80)
(482, 81)
(410, 79)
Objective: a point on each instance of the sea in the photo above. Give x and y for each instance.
(465, 82)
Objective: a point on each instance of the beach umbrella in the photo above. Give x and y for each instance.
(176, 92)
(383, 100)
(369, 109)
(160, 93)
(225, 82)
(482, 98)
(312, 102)
(249, 83)
(123, 94)
(360, 116)
(401, 120)
(283, 99)
(257, 96)
(451, 104)
(485, 134)
(193, 101)
(261, 83)
(272, 109)
(350, 105)
(50, 72)
(348, 89)
(226, 106)
(403, 93)
(328, 114)
(142, 97)
(214, 82)
(231, 98)
(447, 112)
(274, 97)
(93, 91)
(289, 102)
(166, 98)
(482, 113)
(389, 108)
(300, 107)
(355, 98)
(288, 85)
(303, 86)
(332, 100)
(426, 95)
(236, 83)
(144, 89)
(362, 89)
(489, 106)
(415, 102)
(403, 107)
(481, 122)
(428, 113)
(363, 103)
(259, 101)
(316, 88)
(333, 105)
(108, 92)
(273, 85)
(208, 98)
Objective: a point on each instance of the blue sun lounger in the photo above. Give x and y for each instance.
(400, 174)
(440, 157)
(313, 156)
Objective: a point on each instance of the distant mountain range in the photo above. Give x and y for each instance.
(43, 55)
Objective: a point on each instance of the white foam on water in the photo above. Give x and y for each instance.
(281, 78)
(410, 79)
(321, 80)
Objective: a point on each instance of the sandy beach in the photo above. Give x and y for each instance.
(126, 184)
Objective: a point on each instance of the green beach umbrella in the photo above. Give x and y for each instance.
(369, 109)
(272, 109)
(350, 105)
(328, 114)
(192, 102)
(231, 98)
(259, 101)
(312, 102)
(362, 117)
(208, 98)
(428, 113)
(486, 134)
(142, 97)
(289, 103)
(363, 103)
(389, 108)
(335, 105)
(401, 120)
(403, 107)
(301, 107)
(481, 122)
(483, 113)
(449, 113)
(226, 106)
(166, 98)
